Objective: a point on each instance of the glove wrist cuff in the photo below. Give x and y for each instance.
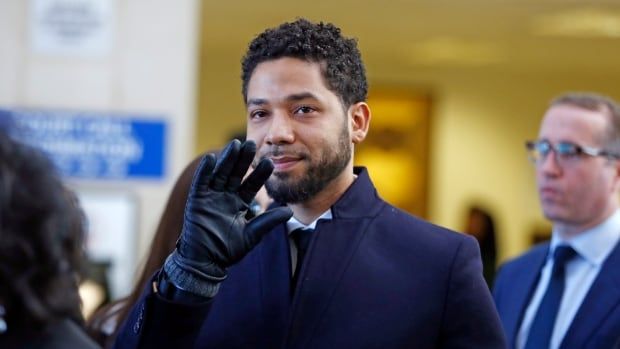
(188, 278)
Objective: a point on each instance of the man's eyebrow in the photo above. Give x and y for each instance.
(301, 96)
(291, 98)
(257, 101)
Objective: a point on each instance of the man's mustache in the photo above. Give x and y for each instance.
(279, 151)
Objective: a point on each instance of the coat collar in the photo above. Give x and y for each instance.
(333, 245)
(359, 200)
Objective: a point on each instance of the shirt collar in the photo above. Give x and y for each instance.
(293, 223)
(594, 244)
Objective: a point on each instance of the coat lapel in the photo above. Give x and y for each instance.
(602, 298)
(333, 245)
(521, 292)
(275, 271)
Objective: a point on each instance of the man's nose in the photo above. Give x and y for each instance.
(281, 129)
(549, 164)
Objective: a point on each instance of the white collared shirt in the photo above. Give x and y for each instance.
(593, 246)
(293, 224)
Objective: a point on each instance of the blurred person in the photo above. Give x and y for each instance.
(358, 274)
(481, 226)
(566, 293)
(42, 231)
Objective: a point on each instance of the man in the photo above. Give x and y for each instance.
(566, 293)
(366, 275)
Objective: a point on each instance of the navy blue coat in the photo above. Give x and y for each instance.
(597, 322)
(373, 277)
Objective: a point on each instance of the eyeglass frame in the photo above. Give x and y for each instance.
(574, 151)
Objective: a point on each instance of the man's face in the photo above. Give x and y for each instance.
(578, 192)
(300, 124)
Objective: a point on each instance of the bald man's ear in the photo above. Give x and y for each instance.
(360, 121)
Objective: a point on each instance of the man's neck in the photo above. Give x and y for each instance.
(568, 230)
(308, 211)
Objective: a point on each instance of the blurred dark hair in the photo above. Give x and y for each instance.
(480, 224)
(487, 237)
(339, 58)
(41, 240)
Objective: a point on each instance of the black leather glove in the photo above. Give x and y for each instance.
(216, 231)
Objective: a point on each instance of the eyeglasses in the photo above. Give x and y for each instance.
(565, 151)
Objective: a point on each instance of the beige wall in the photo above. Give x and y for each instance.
(481, 123)
(150, 69)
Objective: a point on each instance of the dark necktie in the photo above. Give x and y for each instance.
(542, 326)
(302, 238)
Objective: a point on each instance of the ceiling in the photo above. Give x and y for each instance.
(399, 37)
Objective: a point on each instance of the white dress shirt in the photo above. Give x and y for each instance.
(593, 246)
(294, 224)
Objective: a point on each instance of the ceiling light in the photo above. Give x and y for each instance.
(453, 51)
(584, 22)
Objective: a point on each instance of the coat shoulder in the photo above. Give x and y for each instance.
(393, 220)
(530, 258)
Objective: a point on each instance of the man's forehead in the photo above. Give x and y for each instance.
(572, 123)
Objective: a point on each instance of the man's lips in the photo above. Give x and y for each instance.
(548, 192)
(283, 163)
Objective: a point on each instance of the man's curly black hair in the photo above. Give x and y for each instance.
(322, 43)
(41, 240)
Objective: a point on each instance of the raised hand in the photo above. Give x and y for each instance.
(216, 233)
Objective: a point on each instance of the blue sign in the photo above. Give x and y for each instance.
(92, 145)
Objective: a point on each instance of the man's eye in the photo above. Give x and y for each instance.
(304, 110)
(543, 148)
(258, 114)
(566, 149)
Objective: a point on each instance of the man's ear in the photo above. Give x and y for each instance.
(360, 121)
(616, 165)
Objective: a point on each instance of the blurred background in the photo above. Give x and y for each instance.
(123, 94)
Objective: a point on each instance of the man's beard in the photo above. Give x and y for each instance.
(330, 165)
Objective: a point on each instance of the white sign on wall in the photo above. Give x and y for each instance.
(71, 27)
(112, 229)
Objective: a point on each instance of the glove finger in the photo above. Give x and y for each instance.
(256, 179)
(246, 155)
(225, 165)
(200, 181)
(264, 223)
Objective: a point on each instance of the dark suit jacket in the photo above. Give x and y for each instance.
(597, 322)
(373, 277)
